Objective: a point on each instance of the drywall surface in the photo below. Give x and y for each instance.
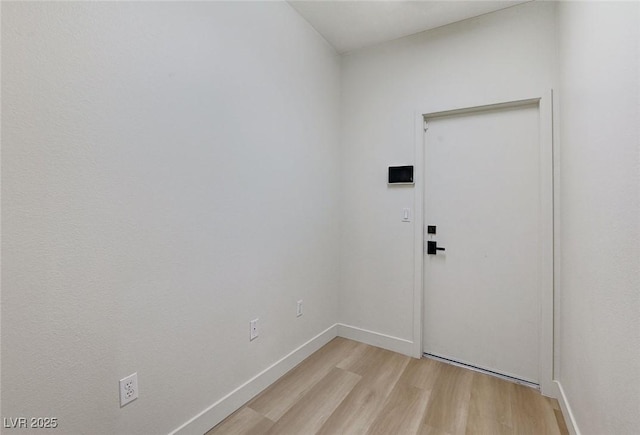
(169, 172)
(489, 58)
(599, 120)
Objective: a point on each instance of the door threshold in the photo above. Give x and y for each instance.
(483, 371)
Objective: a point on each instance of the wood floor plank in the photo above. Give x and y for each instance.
(491, 398)
(357, 412)
(309, 414)
(351, 388)
(531, 412)
(355, 354)
(449, 404)
(480, 425)
(425, 429)
(276, 400)
(562, 425)
(246, 421)
(554, 403)
(362, 362)
(402, 412)
(422, 373)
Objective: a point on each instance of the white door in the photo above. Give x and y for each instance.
(482, 193)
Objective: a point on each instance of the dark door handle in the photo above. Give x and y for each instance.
(432, 248)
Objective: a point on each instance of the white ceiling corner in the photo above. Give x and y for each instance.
(352, 24)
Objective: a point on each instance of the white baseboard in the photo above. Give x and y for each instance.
(569, 418)
(384, 341)
(224, 407)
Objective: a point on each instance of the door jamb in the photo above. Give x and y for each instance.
(546, 340)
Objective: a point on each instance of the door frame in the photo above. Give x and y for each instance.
(544, 101)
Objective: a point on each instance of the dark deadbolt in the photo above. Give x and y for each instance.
(432, 247)
(431, 229)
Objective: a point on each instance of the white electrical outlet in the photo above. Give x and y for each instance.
(299, 308)
(128, 389)
(253, 329)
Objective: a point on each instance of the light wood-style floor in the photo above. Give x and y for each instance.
(352, 388)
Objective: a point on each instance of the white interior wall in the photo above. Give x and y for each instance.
(161, 186)
(112, 132)
(492, 57)
(599, 124)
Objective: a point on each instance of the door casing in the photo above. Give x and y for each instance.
(548, 386)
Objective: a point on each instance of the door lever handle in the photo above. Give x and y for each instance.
(432, 248)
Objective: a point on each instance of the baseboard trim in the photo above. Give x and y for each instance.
(227, 405)
(569, 418)
(372, 338)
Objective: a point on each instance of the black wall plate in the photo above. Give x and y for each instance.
(400, 174)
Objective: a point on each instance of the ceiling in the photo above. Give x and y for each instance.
(351, 24)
